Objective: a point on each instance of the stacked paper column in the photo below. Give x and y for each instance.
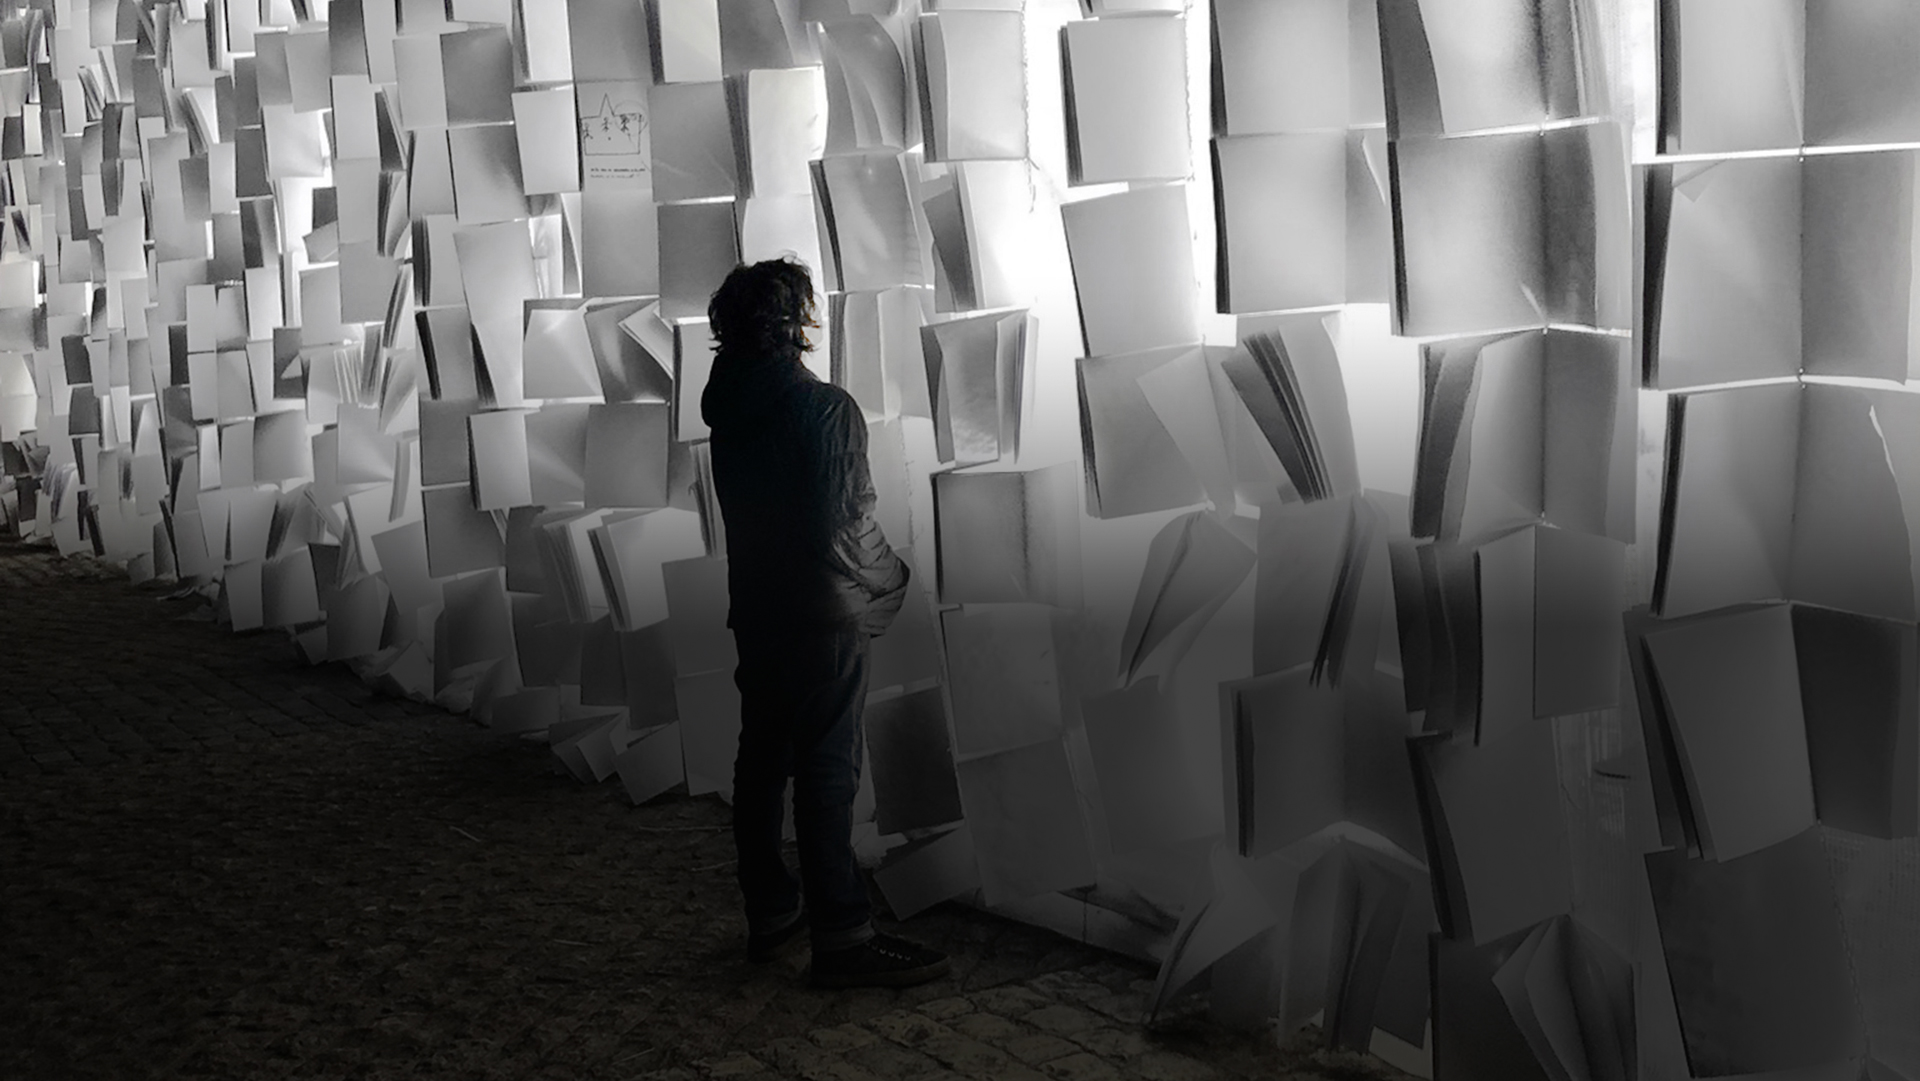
(1775, 660)
(1511, 235)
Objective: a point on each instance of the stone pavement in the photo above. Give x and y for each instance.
(216, 861)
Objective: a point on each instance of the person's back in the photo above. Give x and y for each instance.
(810, 577)
(781, 448)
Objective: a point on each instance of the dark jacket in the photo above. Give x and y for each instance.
(804, 550)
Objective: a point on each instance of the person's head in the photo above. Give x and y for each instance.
(764, 309)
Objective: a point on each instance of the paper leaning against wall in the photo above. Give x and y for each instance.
(912, 757)
(1023, 811)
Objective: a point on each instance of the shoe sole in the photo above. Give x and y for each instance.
(906, 977)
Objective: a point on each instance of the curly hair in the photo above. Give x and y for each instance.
(764, 309)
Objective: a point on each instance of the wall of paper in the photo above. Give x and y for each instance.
(1412, 501)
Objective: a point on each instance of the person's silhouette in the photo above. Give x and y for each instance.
(810, 578)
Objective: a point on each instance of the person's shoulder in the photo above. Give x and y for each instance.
(825, 400)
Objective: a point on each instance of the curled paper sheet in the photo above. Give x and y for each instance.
(1132, 464)
(865, 67)
(979, 373)
(1570, 994)
(1193, 565)
(1290, 380)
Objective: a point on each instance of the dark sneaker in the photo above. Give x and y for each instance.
(762, 949)
(881, 961)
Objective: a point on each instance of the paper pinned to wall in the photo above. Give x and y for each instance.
(686, 40)
(698, 246)
(1857, 692)
(779, 125)
(1838, 534)
(1150, 777)
(866, 203)
(1004, 672)
(913, 774)
(1500, 848)
(1766, 927)
(972, 70)
(1730, 702)
(866, 78)
(1509, 230)
(1008, 536)
(1126, 99)
(692, 142)
(1133, 269)
(1280, 67)
(1280, 203)
(980, 372)
(1827, 249)
(1453, 66)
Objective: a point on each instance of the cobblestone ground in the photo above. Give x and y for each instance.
(216, 861)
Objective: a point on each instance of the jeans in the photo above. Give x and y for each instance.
(801, 696)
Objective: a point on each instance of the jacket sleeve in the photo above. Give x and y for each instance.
(857, 547)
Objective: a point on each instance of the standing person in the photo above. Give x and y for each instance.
(810, 578)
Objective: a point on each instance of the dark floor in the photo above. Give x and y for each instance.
(216, 861)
